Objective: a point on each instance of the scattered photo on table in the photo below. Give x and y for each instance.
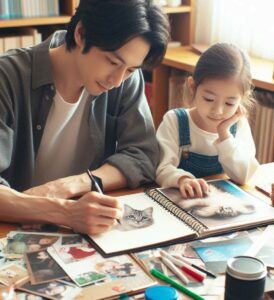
(21, 242)
(42, 268)
(263, 247)
(220, 249)
(73, 253)
(88, 278)
(71, 239)
(27, 296)
(39, 227)
(96, 270)
(52, 290)
(13, 274)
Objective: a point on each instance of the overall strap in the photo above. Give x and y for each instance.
(233, 129)
(183, 125)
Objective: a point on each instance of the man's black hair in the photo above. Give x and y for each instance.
(110, 24)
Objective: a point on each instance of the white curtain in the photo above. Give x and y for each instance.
(249, 24)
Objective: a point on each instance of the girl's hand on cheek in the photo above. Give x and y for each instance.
(223, 127)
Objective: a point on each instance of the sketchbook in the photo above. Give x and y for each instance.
(161, 216)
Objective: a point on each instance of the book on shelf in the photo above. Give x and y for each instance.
(24, 38)
(160, 216)
(176, 89)
(11, 9)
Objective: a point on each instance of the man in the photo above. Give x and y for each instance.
(76, 101)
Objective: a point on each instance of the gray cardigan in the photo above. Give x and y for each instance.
(121, 127)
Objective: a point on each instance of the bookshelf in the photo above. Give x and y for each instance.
(34, 21)
(66, 7)
(181, 22)
(25, 31)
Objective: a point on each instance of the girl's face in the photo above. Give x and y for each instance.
(215, 100)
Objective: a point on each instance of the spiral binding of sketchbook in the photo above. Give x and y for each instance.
(176, 211)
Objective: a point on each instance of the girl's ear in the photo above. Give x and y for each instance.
(191, 85)
(78, 36)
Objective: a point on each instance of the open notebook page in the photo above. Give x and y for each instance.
(159, 226)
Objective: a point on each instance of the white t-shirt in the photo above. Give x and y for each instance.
(236, 155)
(62, 151)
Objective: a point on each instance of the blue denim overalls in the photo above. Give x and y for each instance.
(198, 164)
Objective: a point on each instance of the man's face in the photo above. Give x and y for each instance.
(100, 71)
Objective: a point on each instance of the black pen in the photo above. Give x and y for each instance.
(195, 266)
(93, 180)
(97, 187)
(204, 271)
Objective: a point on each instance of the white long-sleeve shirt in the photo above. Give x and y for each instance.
(236, 154)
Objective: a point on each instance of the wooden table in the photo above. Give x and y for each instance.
(5, 228)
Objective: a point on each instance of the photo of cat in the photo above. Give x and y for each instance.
(224, 202)
(217, 203)
(133, 219)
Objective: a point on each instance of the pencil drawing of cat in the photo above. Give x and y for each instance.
(135, 219)
(217, 204)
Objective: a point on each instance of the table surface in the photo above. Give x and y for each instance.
(6, 227)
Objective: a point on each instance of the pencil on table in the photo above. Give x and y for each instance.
(176, 271)
(186, 268)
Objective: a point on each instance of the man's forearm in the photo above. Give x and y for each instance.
(77, 185)
(21, 208)
(112, 178)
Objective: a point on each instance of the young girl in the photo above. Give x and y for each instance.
(213, 136)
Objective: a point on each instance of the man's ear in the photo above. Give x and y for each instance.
(191, 85)
(78, 36)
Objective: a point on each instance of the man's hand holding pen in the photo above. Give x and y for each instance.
(93, 213)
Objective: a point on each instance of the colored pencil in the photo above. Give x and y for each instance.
(186, 268)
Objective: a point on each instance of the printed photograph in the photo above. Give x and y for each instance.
(73, 253)
(116, 269)
(27, 296)
(13, 274)
(42, 268)
(225, 201)
(88, 278)
(98, 271)
(19, 243)
(53, 290)
(71, 239)
(39, 227)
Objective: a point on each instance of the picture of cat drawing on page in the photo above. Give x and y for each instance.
(224, 204)
(161, 216)
(144, 223)
(133, 218)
